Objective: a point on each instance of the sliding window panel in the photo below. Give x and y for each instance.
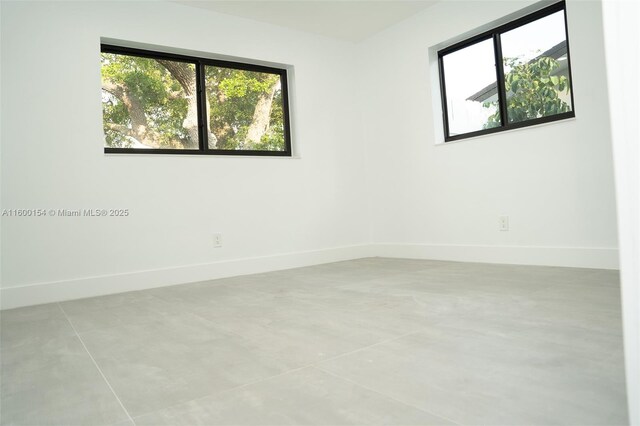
(245, 110)
(149, 103)
(536, 68)
(471, 89)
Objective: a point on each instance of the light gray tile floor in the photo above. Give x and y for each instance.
(370, 341)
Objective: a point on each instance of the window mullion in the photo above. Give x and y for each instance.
(202, 108)
(443, 97)
(502, 92)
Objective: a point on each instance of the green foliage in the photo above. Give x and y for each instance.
(532, 91)
(115, 112)
(232, 95)
(273, 140)
(151, 83)
(240, 83)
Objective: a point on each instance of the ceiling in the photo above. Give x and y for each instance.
(345, 20)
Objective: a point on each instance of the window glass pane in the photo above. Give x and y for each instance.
(245, 110)
(148, 103)
(536, 69)
(470, 86)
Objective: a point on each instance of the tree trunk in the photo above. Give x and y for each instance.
(139, 126)
(186, 76)
(212, 140)
(261, 115)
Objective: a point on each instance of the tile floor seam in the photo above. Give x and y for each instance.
(96, 365)
(293, 370)
(222, 392)
(390, 339)
(385, 395)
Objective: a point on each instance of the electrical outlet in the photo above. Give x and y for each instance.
(503, 223)
(217, 240)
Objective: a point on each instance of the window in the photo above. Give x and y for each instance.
(156, 102)
(530, 85)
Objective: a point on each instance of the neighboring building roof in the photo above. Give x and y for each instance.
(557, 51)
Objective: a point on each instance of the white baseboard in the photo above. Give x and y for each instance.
(575, 257)
(47, 292)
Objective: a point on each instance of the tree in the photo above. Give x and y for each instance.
(185, 75)
(532, 91)
(245, 109)
(143, 104)
(261, 114)
(151, 103)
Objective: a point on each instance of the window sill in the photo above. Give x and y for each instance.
(505, 132)
(195, 155)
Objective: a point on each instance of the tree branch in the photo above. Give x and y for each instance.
(175, 94)
(115, 89)
(119, 128)
(186, 76)
(183, 73)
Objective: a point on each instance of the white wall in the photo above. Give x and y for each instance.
(555, 182)
(308, 209)
(622, 41)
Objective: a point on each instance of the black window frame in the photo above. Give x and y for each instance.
(200, 63)
(495, 34)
